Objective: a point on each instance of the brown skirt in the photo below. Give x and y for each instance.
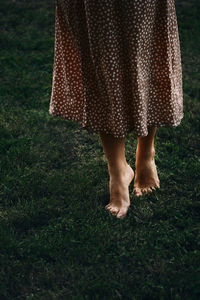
(117, 65)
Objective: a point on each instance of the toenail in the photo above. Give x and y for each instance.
(120, 216)
(114, 211)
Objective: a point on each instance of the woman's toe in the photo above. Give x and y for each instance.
(138, 191)
(114, 211)
(158, 184)
(149, 190)
(122, 213)
(107, 207)
(144, 190)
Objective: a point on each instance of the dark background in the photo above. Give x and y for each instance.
(56, 240)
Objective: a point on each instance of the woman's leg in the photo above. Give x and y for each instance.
(121, 174)
(146, 177)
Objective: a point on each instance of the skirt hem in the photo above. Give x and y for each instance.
(94, 130)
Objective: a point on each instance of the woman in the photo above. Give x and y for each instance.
(117, 69)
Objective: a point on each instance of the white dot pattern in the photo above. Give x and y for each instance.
(117, 65)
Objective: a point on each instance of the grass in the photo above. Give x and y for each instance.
(57, 242)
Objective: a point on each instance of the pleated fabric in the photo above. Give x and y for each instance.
(117, 65)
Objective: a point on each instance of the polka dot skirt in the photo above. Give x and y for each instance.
(117, 65)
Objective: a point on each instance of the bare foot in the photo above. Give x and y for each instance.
(119, 192)
(146, 177)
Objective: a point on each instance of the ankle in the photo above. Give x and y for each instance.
(147, 154)
(117, 170)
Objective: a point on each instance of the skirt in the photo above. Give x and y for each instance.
(117, 65)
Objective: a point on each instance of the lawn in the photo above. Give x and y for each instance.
(57, 241)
